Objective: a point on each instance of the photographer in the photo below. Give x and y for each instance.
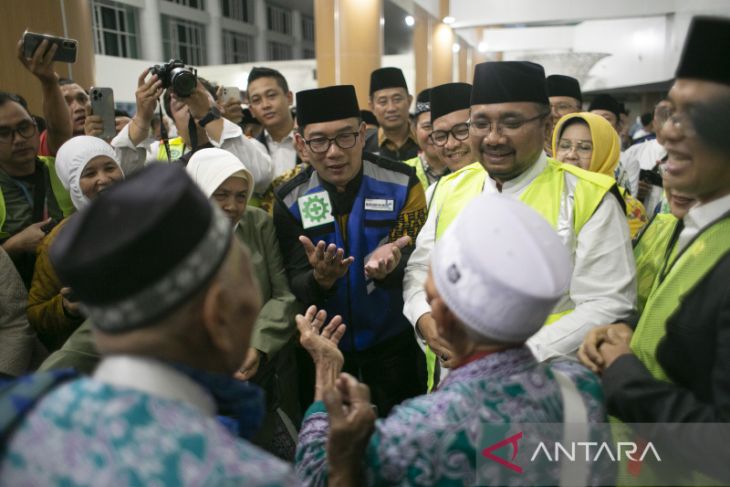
(198, 110)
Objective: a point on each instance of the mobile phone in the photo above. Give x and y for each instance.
(102, 104)
(49, 226)
(651, 177)
(230, 93)
(66, 52)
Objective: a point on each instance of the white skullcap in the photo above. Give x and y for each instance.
(71, 159)
(501, 268)
(209, 168)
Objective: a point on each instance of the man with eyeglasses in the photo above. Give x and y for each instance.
(345, 225)
(32, 199)
(390, 102)
(450, 136)
(508, 125)
(565, 98)
(673, 365)
(429, 167)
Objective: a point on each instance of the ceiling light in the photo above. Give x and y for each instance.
(410, 20)
(482, 47)
(448, 20)
(455, 47)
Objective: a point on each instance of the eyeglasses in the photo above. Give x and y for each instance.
(583, 149)
(321, 145)
(563, 108)
(681, 122)
(508, 126)
(25, 129)
(440, 138)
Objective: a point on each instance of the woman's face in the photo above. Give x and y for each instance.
(575, 146)
(232, 197)
(98, 174)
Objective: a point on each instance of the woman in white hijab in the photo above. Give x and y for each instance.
(86, 166)
(225, 180)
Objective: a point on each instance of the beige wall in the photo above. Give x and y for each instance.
(44, 16)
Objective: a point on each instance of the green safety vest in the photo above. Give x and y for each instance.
(63, 198)
(177, 149)
(416, 163)
(545, 194)
(649, 251)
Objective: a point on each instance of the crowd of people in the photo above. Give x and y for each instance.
(259, 295)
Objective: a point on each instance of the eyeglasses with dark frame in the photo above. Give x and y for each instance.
(440, 138)
(502, 127)
(320, 145)
(26, 129)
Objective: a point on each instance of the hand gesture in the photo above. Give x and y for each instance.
(385, 258)
(231, 109)
(616, 344)
(41, 63)
(427, 326)
(199, 102)
(329, 263)
(70, 306)
(148, 91)
(588, 352)
(321, 343)
(250, 365)
(93, 124)
(28, 239)
(351, 423)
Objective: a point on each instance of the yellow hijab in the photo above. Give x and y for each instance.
(606, 143)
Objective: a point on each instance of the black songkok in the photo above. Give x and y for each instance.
(383, 78)
(448, 98)
(608, 103)
(326, 104)
(705, 55)
(509, 81)
(561, 85)
(141, 249)
(423, 102)
(369, 118)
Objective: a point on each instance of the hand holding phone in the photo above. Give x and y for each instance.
(65, 51)
(102, 121)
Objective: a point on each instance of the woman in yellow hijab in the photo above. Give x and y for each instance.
(590, 142)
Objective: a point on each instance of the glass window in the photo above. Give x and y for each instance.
(279, 51)
(307, 28)
(183, 40)
(240, 10)
(198, 4)
(115, 29)
(237, 48)
(278, 19)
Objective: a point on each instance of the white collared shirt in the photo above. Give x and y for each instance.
(603, 285)
(283, 154)
(699, 217)
(155, 378)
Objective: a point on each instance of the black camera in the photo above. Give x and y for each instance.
(176, 75)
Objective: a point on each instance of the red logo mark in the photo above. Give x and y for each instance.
(512, 440)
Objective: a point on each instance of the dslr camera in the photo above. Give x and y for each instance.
(177, 76)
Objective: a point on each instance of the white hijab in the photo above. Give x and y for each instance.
(72, 158)
(209, 168)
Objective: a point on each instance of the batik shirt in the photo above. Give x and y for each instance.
(88, 432)
(434, 439)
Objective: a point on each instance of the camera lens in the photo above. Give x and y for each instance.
(183, 82)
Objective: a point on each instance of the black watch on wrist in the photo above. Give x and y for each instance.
(213, 114)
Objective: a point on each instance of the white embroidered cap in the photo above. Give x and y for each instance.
(501, 268)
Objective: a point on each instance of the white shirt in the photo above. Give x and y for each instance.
(641, 156)
(283, 154)
(251, 152)
(155, 378)
(603, 284)
(699, 217)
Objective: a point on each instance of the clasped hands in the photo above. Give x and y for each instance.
(603, 345)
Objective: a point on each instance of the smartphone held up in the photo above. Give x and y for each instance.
(65, 52)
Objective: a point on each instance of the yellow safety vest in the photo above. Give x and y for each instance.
(420, 173)
(63, 198)
(649, 252)
(547, 194)
(177, 149)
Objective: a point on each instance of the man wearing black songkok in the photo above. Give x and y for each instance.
(609, 108)
(428, 165)
(674, 365)
(346, 226)
(565, 97)
(390, 101)
(509, 121)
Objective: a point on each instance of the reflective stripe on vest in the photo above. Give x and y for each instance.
(62, 196)
(686, 271)
(416, 163)
(649, 252)
(177, 149)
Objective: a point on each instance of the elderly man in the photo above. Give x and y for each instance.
(390, 101)
(427, 163)
(509, 111)
(173, 302)
(674, 366)
(513, 256)
(565, 98)
(362, 212)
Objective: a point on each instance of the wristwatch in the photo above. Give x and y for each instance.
(213, 114)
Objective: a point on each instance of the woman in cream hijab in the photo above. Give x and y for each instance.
(86, 166)
(590, 142)
(224, 179)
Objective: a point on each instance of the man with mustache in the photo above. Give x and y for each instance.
(565, 98)
(509, 119)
